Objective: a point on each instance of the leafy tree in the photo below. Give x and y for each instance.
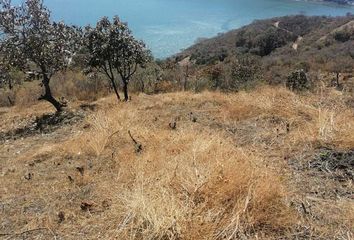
(112, 50)
(147, 79)
(244, 71)
(344, 35)
(271, 39)
(9, 78)
(5, 79)
(298, 81)
(216, 75)
(30, 40)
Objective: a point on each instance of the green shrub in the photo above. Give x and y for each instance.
(298, 81)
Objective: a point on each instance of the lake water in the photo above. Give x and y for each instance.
(168, 26)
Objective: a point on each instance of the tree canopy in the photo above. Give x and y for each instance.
(113, 50)
(31, 41)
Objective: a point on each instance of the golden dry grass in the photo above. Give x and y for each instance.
(220, 174)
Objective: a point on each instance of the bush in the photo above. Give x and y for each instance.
(344, 35)
(146, 79)
(272, 39)
(298, 81)
(243, 73)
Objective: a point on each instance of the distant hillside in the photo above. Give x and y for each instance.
(283, 44)
(351, 2)
(263, 37)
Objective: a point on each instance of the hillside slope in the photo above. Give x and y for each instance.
(282, 45)
(277, 31)
(265, 164)
(351, 2)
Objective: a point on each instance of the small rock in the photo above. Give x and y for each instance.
(138, 148)
(192, 117)
(86, 205)
(81, 170)
(70, 179)
(28, 176)
(61, 217)
(173, 125)
(90, 163)
(106, 203)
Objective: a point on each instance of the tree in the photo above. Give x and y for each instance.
(112, 49)
(216, 75)
(298, 81)
(271, 39)
(5, 79)
(244, 72)
(31, 40)
(344, 35)
(147, 79)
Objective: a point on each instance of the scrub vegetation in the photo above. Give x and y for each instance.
(248, 135)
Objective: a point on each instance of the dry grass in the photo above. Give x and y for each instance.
(191, 183)
(71, 85)
(220, 174)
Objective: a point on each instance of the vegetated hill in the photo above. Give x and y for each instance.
(263, 37)
(264, 164)
(351, 2)
(283, 44)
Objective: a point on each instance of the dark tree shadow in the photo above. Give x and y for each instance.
(44, 124)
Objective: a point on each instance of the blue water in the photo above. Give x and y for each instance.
(168, 26)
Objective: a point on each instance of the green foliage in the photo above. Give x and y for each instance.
(301, 25)
(244, 72)
(303, 65)
(344, 34)
(29, 34)
(216, 76)
(204, 58)
(147, 79)
(271, 39)
(262, 40)
(112, 49)
(31, 41)
(298, 81)
(5, 79)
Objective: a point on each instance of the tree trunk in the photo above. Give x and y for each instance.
(186, 79)
(337, 79)
(125, 90)
(48, 94)
(142, 86)
(10, 101)
(10, 84)
(115, 89)
(216, 86)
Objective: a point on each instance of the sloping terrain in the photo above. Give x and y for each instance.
(265, 164)
(342, 1)
(270, 34)
(282, 45)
